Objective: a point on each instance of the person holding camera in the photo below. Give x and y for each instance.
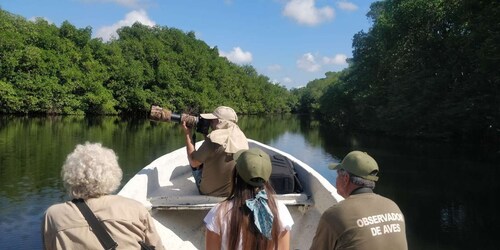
(363, 220)
(96, 219)
(212, 163)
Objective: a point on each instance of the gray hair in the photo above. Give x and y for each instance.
(358, 180)
(90, 171)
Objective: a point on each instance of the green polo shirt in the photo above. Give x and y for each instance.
(218, 169)
(362, 221)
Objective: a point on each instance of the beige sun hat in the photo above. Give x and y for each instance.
(223, 113)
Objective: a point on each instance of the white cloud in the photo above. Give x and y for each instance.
(338, 59)
(237, 55)
(308, 63)
(348, 6)
(284, 80)
(287, 80)
(274, 68)
(33, 19)
(305, 12)
(127, 3)
(198, 34)
(141, 16)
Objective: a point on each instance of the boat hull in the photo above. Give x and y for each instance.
(167, 187)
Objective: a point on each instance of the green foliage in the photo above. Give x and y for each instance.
(426, 68)
(309, 96)
(8, 97)
(62, 70)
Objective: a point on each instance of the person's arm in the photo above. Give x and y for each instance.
(45, 233)
(325, 237)
(189, 146)
(213, 241)
(152, 237)
(284, 241)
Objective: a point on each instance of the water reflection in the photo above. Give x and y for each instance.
(446, 191)
(453, 217)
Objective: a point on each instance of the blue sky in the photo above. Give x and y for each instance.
(290, 41)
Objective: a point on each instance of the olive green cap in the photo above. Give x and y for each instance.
(252, 164)
(360, 164)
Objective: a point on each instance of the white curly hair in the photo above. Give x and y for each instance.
(91, 171)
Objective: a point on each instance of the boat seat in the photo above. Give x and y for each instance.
(204, 202)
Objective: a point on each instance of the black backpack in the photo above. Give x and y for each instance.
(284, 179)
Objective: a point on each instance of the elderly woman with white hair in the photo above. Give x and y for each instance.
(91, 174)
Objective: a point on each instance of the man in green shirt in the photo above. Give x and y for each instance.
(363, 220)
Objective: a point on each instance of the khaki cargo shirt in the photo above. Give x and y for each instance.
(126, 220)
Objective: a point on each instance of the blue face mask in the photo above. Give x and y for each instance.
(263, 217)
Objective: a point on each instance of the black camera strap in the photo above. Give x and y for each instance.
(97, 227)
(193, 139)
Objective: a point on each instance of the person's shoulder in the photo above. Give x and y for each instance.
(285, 215)
(336, 208)
(387, 200)
(377, 197)
(209, 144)
(383, 197)
(219, 209)
(208, 141)
(126, 205)
(124, 200)
(281, 206)
(223, 206)
(59, 209)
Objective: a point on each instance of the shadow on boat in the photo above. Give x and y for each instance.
(168, 188)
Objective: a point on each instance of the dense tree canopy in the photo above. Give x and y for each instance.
(310, 95)
(425, 67)
(62, 70)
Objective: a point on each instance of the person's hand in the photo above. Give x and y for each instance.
(185, 128)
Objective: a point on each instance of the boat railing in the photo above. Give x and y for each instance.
(205, 202)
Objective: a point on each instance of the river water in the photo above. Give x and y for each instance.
(446, 191)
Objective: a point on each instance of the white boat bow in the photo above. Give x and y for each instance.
(166, 186)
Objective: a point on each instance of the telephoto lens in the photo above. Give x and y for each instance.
(158, 113)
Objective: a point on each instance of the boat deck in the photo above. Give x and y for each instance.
(183, 194)
(167, 187)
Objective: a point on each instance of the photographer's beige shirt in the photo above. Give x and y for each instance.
(126, 220)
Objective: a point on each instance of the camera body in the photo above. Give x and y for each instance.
(158, 113)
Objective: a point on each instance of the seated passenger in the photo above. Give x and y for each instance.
(91, 173)
(250, 218)
(364, 219)
(212, 164)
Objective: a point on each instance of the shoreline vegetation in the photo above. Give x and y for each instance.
(425, 69)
